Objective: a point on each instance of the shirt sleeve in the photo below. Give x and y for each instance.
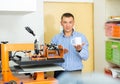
(84, 53)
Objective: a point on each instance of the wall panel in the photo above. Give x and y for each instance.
(83, 13)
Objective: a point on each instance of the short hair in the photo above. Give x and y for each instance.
(67, 15)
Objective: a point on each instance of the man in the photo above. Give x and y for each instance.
(74, 54)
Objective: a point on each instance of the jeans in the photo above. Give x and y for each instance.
(58, 73)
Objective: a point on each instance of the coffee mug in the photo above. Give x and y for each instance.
(76, 41)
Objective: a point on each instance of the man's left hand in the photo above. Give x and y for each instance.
(79, 47)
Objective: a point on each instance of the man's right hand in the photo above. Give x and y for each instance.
(65, 50)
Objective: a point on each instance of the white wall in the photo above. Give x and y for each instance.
(12, 25)
(112, 8)
(99, 35)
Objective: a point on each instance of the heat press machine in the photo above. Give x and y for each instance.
(44, 57)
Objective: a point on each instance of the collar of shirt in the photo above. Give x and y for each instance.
(64, 33)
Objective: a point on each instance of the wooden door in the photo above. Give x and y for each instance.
(83, 13)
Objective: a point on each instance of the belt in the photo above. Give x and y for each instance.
(73, 70)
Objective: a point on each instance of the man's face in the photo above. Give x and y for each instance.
(67, 23)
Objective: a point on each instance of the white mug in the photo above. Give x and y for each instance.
(76, 41)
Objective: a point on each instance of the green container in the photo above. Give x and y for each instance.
(113, 51)
(108, 51)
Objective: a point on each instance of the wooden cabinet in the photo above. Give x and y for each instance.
(17, 6)
(83, 13)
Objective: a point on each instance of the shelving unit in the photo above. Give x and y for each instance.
(113, 48)
(112, 31)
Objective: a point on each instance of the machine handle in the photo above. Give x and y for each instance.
(36, 43)
(30, 30)
(18, 58)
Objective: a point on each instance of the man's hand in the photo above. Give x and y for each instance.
(79, 47)
(65, 50)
